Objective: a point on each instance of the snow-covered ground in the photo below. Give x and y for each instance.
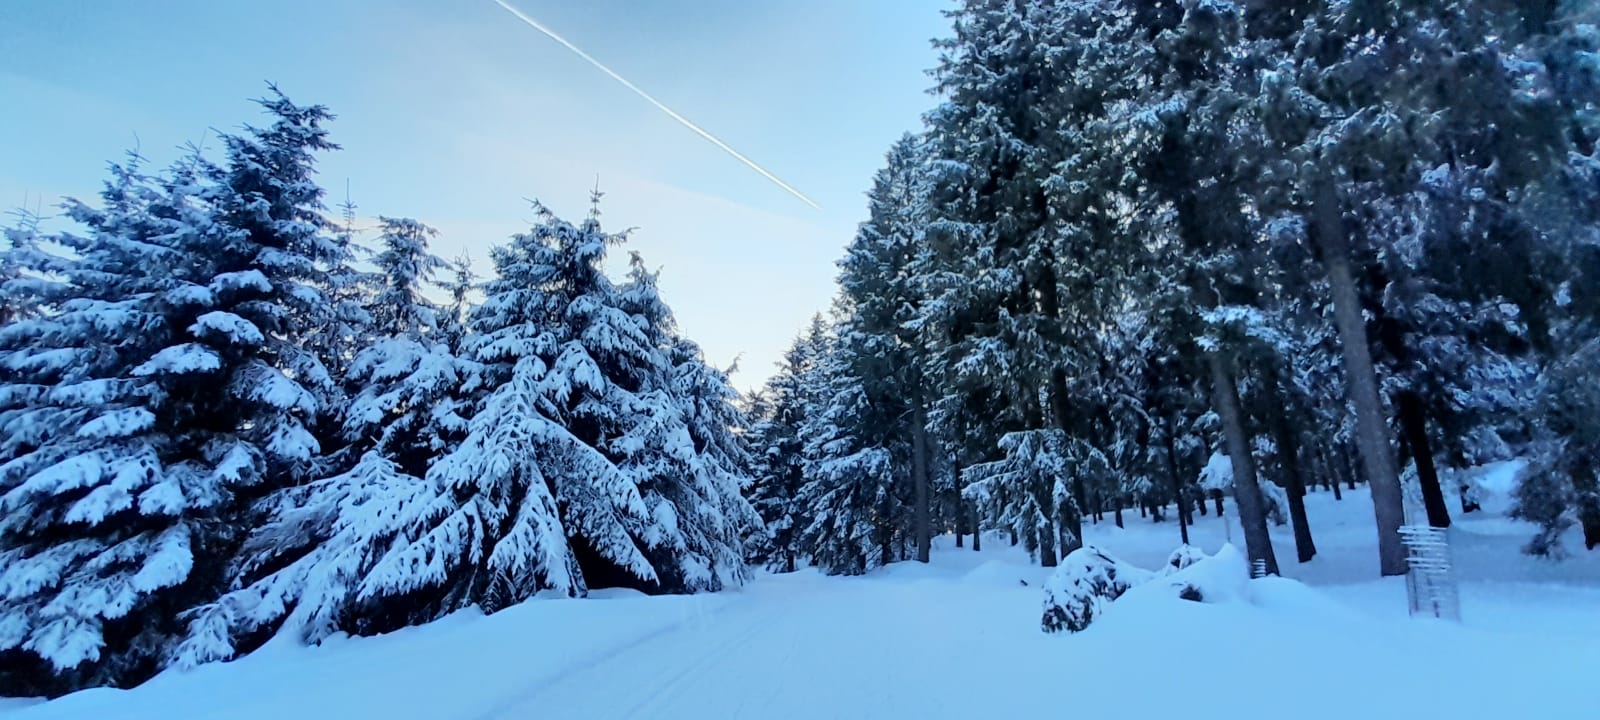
(960, 638)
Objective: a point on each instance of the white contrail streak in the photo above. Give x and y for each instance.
(669, 111)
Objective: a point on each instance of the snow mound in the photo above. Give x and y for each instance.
(1083, 585)
(1220, 578)
(1292, 597)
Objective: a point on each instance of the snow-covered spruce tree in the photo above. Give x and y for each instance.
(1021, 214)
(459, 284)
(166, 389)
(850, 475)
(553, 485)
(776, 442)
(100, 515)
(308, 561)
(884, 295)
(1562, 485)
(17, 260)
(693, 473)
(1027, 492)
(342, 331)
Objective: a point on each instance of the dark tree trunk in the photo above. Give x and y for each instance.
(1414, 423)
(1586, 481)
(919, 477)
(1047, 546)
(1118, 514)
(1071, 516)
(1362, 382)
(1331, 463)
(1289, 457)
(1258, 543)
(1347, 467)
(977, 531)
(1177, 480)
(1305, 548)
(886, 530)
(1216, 495)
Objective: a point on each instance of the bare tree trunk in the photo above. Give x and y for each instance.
(1331, 461)
(1289, 449)
(1362, 382)
(1586, 481)
(1414, 423)
(1118, 514)
(886, 530)
(1289, 457)
(1047, 545)
(1072, 517)
(1177, 480)
(977, 530)
(1258, 543)
(919, 478)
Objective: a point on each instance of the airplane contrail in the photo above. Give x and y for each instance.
(669, 111)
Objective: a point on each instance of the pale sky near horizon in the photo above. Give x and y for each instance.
(454, 111)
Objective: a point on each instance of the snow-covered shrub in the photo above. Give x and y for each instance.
(1544, 497)
(1217, 475)
(1217, 578)
(1275, 502)
(1081, 587)
(1181, 558)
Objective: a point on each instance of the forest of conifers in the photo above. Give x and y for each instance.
(1141, 254)
(1327, 241)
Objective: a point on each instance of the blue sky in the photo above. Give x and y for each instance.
(453, 112)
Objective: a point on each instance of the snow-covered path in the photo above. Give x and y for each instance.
(796, 646)
(956, 639)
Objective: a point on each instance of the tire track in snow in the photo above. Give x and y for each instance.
(699, 618)
(673, 684)
(747, 622)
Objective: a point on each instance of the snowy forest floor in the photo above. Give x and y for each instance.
(960, 638)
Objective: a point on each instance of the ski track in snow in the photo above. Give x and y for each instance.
(957, 638)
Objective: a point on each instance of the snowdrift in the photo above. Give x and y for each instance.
(1090, 581)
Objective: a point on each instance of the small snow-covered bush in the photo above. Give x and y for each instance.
(1181, 558)
(1275, 502)
(1082, 585)
(1217, 475)
(1544, 497)
(1208, 579)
